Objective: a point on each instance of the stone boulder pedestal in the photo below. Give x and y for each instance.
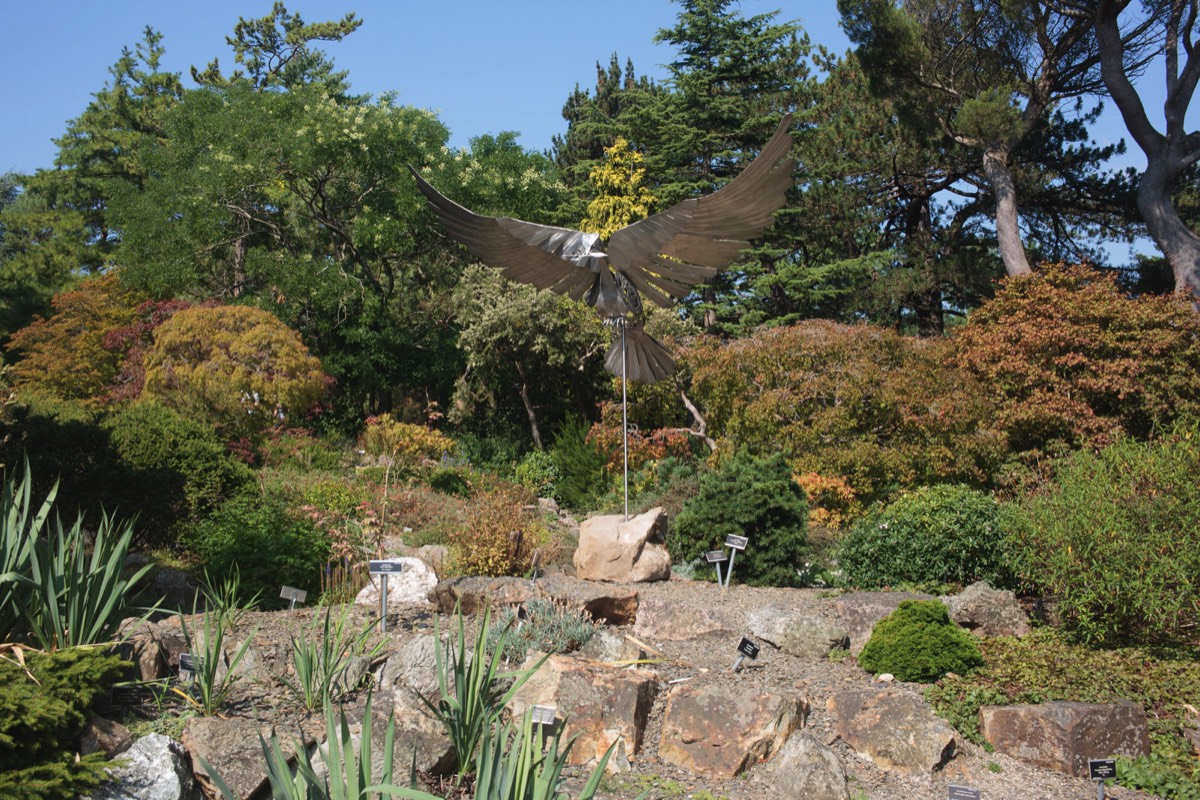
(613, 548)
(1062, 736)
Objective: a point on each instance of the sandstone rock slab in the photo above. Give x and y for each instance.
(988, 612)
(894, 728)
(613, 548)
(713, 731)
(1062, 736)
(796, 634)
(232, 748)
(664, 621)
(861, 610)
(599, 703)
(611, 605)
(804, 767)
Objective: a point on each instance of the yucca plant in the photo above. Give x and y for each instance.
(519, 763)
(210, 686)
(224, 598)
(472, 688)
(321, 658)
(348, 770)
(22, 528)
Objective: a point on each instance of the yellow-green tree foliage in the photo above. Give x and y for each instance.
(621, 197)
(407, 443)
(237, 366)
(65, 356)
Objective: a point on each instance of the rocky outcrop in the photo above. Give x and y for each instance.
(1062, 736)
(715, 731)
(859, 611)
(612, 605)
(155, 767)
(613, 548)
(104, 736)
(232, 748)
(988, 612)
(600, 704)
(661, 620)
(804, 767)
(894, 728)
(796, 634)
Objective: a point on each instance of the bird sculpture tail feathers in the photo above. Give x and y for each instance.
(647, 360)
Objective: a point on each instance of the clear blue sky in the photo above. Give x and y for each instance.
(484, 66)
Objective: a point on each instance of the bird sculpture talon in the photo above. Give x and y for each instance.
(661, 257)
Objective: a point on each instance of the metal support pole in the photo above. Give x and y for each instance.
(729, 567)
(383, 602)
(624, 418)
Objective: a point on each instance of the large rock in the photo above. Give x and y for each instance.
(232, 748)
(612, 605)
(155, 767)
(796, 634)
(1062, 736)
(988, 612)
(861, 610)
(894, 728)
(804, 768)
(408, 587)
(104, 736)
(601, 704)
(665, 621)
(717, 730)
(412, 670)
(613, 548)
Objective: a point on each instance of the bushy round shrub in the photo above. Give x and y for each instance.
(918, 642)
(537, 471)
(497, 535)
(935, 534)
(1116, 541)
(753, 497)
(268, 546)
(178, 467)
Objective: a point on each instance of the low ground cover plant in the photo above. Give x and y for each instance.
(1044, 666)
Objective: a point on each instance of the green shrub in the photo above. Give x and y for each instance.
(451, 481)
(268, 545)
(538, 472)
(299, 451)
(935, 534)
(44, 713)
(580, 466)
(179, 468)
(753, 497)
(1116, 541)
(919, 642)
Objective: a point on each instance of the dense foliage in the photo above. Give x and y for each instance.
(932, 535)
(919, 642)
(45, 704)
(1115, 541)
(747, 496)
(880, 410)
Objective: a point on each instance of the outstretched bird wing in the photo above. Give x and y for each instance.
(552, 258)
(667, 254)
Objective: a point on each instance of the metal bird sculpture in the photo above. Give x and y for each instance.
(662, 256)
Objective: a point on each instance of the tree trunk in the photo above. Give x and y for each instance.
(533, 423)
(1008, 228)
(1180, 244)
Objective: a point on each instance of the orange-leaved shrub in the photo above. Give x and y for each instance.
(65, 357)
(1068, 357)
(497, 535)
(856, 403)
